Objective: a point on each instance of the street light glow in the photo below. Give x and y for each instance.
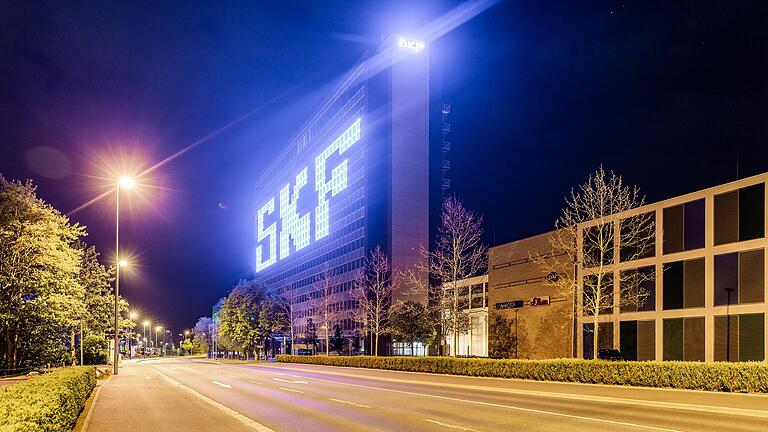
(126, 182)
(133, 315)
(123, 263)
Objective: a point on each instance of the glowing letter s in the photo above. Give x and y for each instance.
(294, 227)
(338, 180)
(271, 232)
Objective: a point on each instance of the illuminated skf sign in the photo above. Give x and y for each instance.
(410, 44)
(295, 228)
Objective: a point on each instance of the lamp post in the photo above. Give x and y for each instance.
(157, 329)
(128, 183)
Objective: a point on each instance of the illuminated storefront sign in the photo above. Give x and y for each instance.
(410, 44)
(293, 226)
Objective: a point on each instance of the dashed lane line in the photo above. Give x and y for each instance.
(247, 421)
(349, 403)
(291, 390)
(221, 384)
(450, 426)
(510, 407)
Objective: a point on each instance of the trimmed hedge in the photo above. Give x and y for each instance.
(747, 377)
(49, 402)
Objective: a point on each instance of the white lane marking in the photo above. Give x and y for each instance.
(579, 397)
(291, 390)
(450, 426)
(148, 377)
(289, 381)
(254, 382)
(222, 385)
(349, 403)
(173, 367)
(531, 410)
(229, 411)
(234, 376)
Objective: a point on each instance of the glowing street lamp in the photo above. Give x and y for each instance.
(123, 182)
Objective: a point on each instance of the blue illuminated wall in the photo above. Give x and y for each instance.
(355, 176)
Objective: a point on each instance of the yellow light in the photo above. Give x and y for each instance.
(123, 263)
(158, 328)
(186, 332)
(133, 315)
(146, 323)
(126, 182)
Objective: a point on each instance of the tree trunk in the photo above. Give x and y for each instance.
(594, 340)
(72, 351)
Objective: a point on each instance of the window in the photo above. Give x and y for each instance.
(604, 337)
(684, 339)
(598, 245)
(741, 339)
(743, 274)
(590, 301)
(637, 340)
(740, 215)
(638, 237)
(684, 284)
(642, 282)
(684, 227)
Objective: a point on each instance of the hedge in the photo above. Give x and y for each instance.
(49, 402)
(747, 377)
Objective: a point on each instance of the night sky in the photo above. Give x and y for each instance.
(671, 96)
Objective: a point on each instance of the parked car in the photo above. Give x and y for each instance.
(609, 354)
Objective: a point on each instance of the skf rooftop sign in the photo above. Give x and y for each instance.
(410, 44)
(295, 228)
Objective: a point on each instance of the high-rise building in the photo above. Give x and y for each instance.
(355, 176)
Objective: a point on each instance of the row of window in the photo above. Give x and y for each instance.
(314, 262)
(738, 216)
(739, 279)
(737, 338)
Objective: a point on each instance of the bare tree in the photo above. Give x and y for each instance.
(326, 305)
(458, 254)
(598, 230)
(286, 304)
(373, 294)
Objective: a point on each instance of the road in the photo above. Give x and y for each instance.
(204, 395)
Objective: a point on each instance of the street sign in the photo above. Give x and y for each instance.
(514, 304)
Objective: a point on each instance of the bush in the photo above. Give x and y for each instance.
(95, 350)
(50, 402)
(747, 377)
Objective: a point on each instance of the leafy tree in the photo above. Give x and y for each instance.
(187, 346)
(96, 280)
(201, 335)
(502, 341)
(242, 320)
(95, 350)
(41, 298)
(327, 302)
(337, 339)
(311, 334)
(409, 322)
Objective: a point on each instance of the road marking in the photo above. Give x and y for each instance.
(148, 377)
(579, 397)
(222, 385)
(234, 376)
(255, 382)
(490, 404)
(450, 426)
(173, 367)
(291, 390)
(349, 403)
(289, 381)
(229, 411)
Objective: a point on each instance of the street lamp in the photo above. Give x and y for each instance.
(127, 183)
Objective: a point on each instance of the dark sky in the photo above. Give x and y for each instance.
(669, 94)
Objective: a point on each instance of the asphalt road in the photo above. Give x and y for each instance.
(203, 395)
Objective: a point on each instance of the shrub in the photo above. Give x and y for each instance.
(50, 402)
(747, 377)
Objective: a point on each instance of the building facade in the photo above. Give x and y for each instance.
(354, 177)
(473, 301)
(518, 290)
(706, 301)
